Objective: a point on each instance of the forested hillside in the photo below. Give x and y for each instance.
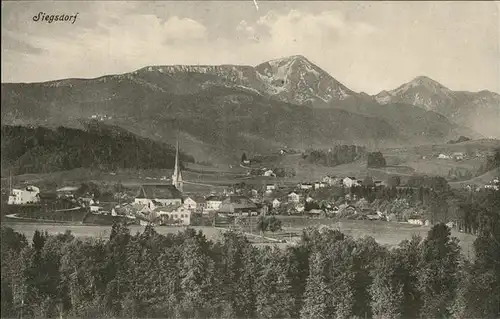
(36, 150)
(184, 275)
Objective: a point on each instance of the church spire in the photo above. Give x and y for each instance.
(177, 175)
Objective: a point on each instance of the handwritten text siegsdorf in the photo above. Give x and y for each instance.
(49, 18)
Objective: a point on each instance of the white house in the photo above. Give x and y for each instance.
(300, 208)
(419, 222)
(197, 203)
(444, 156)
(318, 185)
(349, 182)
(293, 197)
(213, 202)
(269, 172)
(95, 208)
(27, 195)
(458, 156)
(276, 203)
(271, 187)
(175, 215)
(305, 186)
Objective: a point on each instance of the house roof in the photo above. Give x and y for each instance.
(196, 199)
(214, 198)
(67, 189)
(159, 192)
(237, 202)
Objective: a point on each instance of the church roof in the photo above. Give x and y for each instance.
(159, 192)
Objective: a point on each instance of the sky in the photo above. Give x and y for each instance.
(368, 46)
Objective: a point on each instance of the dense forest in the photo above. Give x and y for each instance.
(339, 154)
(36, 150)
(375, 159)
(492, 162)
(184, 275)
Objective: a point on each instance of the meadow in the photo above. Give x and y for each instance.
(385, 233)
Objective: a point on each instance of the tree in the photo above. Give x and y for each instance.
(376, 159)
(317, 292)
(274, 224)
(394, 181)
(368, 181)
(438, 268)
(387, 289)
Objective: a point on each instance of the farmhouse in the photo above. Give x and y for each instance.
(174, 215)
(237, 204)
(213, 202)
(271, 187)
(162, 194)
(349, 182)
(276, 203)
(23, 196)
(194, 203)
(458, 156)
(318, 185)
(293, 197)
(305, 186)
(269, 172)
(68, 191)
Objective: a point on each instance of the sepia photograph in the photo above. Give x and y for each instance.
(250, 159)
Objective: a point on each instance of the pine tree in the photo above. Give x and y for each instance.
(439, 258)
(387, 289)
(317, 293)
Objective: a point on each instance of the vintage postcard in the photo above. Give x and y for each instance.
(250, 159)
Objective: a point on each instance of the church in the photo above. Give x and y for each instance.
(177, 175)
(163, 195)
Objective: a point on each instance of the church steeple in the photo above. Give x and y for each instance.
(177, 175)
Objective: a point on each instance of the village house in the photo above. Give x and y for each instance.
(309, 199)
(493, 184)
(444, 156)
(161, 194)
(349, 182)
(237, 205)
(271, 187)
(458, 156)
(213, 202)
(22, 196)
(194, 203)
(269, 172)
(318, 185)
(329, 180)
(305, 186)
(300, 208)
(276, 203)
(67, 191)
(174, 215)
(293, 197)
(418, 221)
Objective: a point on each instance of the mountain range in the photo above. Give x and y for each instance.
(221, 110)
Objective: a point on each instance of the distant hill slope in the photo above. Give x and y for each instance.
(223, 110)
(37, 150)
(478, 110)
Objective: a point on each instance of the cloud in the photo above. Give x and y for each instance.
(297, 26)
(184, 29)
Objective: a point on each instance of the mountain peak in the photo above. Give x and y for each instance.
(425, 80)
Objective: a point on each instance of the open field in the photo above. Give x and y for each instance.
(479, 180)
(385, 233)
